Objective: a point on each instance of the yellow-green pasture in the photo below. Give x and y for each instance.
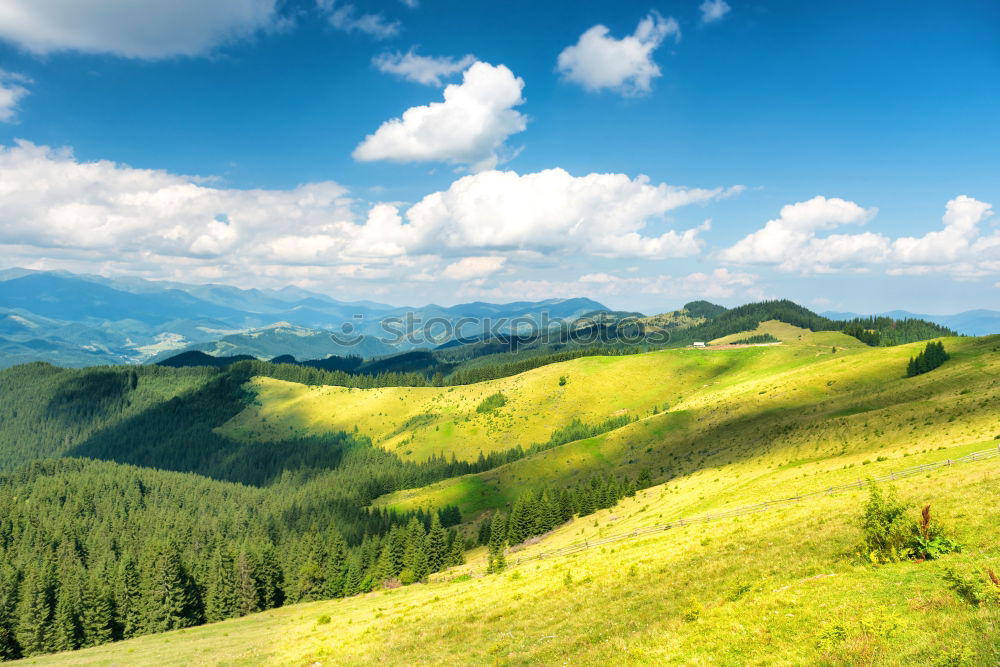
(418, 422)
(773, 424)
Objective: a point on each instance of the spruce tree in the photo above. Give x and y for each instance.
(415, 564)
(96, 612)
(247, 585)
(519, 524)
(437, 545)
(456, 552)
(128, 596)
(65, 632)
(269, 575)
(355, 575)
(9, 648)
(308, 578)
(498, 543)
(397, 545)
(220, 593)
(169, 601)
(484, 532)
(336, 564)
(35, 610)
(384, 569)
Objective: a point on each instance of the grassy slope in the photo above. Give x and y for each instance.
(417, 422)
(780, 421)
(780, 330)
(766, 408)
(632, 602)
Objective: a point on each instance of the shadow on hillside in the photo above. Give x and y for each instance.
(179, 435)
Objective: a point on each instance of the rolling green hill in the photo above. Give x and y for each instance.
(351, 473)
(798, 401)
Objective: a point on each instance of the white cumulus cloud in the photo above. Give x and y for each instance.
(793, 242)
(147, 29)
(713, 10)
(428, 70)
(469, 127)
(553, 211)
(59, 212)
(790, 241)
(598, 61)
(12, 91)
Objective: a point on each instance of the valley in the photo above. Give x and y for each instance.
(333, 488)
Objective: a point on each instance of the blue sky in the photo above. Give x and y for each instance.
(226, 142)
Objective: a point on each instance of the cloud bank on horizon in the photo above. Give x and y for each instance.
(487, 230)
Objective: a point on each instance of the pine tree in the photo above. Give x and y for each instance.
(336, 564)
(483, 537)
(456, 551)
(169, 601)
(437, 545)
(498, 543)
(415, 564)
(247, 585)
(96, 613)
(35, 610)
(384, 569)
(220, 594)
(129, 598)
(9, 648)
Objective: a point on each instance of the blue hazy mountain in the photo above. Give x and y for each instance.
(81, 320)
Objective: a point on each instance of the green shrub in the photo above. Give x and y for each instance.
(323, 620)
(890, 536)
(693, 611)
(491, 403)
(831, 635)
(886, 529)
(739, 590)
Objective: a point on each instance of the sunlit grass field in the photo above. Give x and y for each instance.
(776, 421)
(741, 426)
(781, 588)
(418, 422)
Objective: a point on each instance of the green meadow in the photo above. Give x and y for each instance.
(712, 430)
(780, 588)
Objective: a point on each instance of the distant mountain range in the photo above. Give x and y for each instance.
(969, 323)
(82, 320)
